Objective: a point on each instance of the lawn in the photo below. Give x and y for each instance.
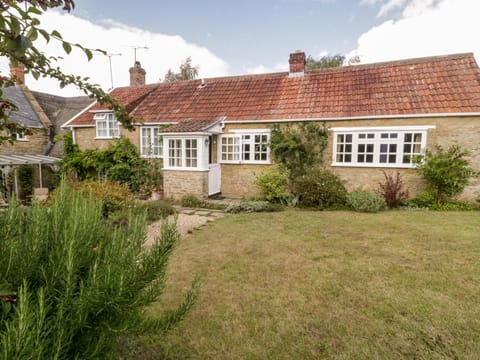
(343, 285)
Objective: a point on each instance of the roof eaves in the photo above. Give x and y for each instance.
(67, 124)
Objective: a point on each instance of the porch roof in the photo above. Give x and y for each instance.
(26, 159)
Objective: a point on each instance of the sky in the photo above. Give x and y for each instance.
(249, 36)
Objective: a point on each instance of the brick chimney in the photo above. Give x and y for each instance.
(137, 75)
(297, 63)
(18, 72)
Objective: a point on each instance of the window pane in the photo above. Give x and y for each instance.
(408, 137)
(418, 138)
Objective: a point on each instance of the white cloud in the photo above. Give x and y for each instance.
(425, 28)
(390, 5)
(164, 52)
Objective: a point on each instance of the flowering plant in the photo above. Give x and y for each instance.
(147, 190)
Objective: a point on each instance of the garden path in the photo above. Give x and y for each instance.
(187, 220)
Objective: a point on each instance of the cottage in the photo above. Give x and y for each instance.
(43, 114)
(213, 134)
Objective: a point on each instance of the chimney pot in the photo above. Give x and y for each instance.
(297, 63)
(18, 73)
(137, 74)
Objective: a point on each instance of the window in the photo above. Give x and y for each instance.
(151, 143)
(107, 125)
(245, 148)
(183, 153)
(191, 152)
(175, 152)
(20, 136)
(379, 147)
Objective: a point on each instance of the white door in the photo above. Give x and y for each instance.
(214, 179)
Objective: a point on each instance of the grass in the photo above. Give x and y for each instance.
(342, 285)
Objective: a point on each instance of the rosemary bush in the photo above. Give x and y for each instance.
(71, 285)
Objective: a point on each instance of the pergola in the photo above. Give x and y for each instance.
(9, 161)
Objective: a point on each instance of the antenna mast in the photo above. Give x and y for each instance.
(135, 48)
(110, 63)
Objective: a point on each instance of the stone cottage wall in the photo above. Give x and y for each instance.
(177, 184)
(36, 144)
(85, 138)
(237, 180)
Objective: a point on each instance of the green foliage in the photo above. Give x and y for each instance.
(446, 172)
(298, 148)
(364, 201)
(194, 202)
(153, 210)
(392, 190)
(187, 72)
(19, 30)
(328, 61)
(191, 201)
(320, 188)
(253, 206)
(119, 162)
(426, 200)
(25, 181)
(80, 284)
(113, 196)
(273, 183)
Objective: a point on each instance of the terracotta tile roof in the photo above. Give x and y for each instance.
(434, 85)
(131, 97)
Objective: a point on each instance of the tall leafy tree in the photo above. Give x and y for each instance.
(19, 31)
(187, 72)
(330, 61)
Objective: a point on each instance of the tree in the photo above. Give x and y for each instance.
(329, 61)
(446, 172)
(19, 30)
(71, 286)
(187, 72)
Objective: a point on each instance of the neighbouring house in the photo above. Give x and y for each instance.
(42, 113)
(213, 134)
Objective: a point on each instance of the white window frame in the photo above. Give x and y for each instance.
(106, 125)
(185, 153)
(354, 148)
(147, 141)
(241, 147)
(20, 136)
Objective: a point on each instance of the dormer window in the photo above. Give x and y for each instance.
(107, 125)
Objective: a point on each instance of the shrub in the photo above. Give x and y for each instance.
(75, 286)
(364, 201)
(273, 183)
(194, 202)
(154, 211)
(253, 206)
(191, 201)
(392, 190)
(446, 172)
(426, 200)
(298, 148)
(320, 188)
(114, 196)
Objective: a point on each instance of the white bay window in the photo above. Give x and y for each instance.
(186, 153)
(379, 146)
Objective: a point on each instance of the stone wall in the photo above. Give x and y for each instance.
(177, 184)
(237, 180)
(85, 138)
(36, 144)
